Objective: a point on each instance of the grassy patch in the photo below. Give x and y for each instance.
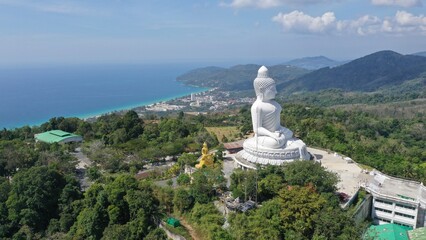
(365, 167)
(231, 133)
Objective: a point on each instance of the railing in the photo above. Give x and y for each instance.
(383, 205)
(376, 193)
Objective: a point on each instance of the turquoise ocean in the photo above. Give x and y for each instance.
(33, 95)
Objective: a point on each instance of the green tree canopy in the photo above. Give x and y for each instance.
(182, 200)
(300, 207)
(303, 173)
(33, 199)
(121, 207)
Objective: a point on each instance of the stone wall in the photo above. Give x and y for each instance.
(170, 234)
(364, 209)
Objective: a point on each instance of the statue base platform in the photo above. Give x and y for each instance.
(252, 154)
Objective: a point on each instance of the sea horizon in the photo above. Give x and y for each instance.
(30, 96)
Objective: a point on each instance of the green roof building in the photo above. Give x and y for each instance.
(388, 231)
(173, 222)
(57, 136)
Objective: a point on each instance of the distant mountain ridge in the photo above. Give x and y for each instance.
(239, 77)
(313, 63)
(369, 73)
(423, 54)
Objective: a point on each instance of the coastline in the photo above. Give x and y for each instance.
(84, 91)
(137, 105)
(99, 113)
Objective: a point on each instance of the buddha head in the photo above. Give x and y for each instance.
(264, 86)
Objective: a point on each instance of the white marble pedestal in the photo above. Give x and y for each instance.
(252, 154)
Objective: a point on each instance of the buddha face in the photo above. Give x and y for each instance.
(270, 93)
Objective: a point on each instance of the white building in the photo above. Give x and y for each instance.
(397, 200)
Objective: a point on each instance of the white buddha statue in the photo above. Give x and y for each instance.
(265, 114)
(272, 143)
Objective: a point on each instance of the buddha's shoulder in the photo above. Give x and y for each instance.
(259, 105)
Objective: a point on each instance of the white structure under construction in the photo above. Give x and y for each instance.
(397, 200)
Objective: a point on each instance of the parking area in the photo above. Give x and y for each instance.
(350, 174)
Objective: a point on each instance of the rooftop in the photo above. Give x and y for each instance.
(397, 188)
(387, 232)
(57, 136)
(233, 145)
(350, 174)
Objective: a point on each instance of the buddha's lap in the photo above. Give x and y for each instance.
(271, 142)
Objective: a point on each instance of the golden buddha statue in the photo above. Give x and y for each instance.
(206, 158)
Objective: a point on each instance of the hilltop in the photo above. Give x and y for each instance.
(369, 73)
(239, 77)
(314, 63)
(423, 54)
(379, 70)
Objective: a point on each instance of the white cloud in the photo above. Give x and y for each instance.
(300, 22)
(402, 23)
(408, 23)
(49, 6)
(63, 9)
(268, 3)
(364, 25)
(401, 3)
(407, 19)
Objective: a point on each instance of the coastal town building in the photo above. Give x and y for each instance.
(163, 107)
(57, 136)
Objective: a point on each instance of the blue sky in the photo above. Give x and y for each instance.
(239, 31)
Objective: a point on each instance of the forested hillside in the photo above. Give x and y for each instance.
(409, 90)
(369, 73)
(380, 70)
(41, 196)
(238, 77)
(394, 146)
(423, 54)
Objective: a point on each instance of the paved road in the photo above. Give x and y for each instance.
(80, 168)
(350, 174)
(83, 160)
(228, 168)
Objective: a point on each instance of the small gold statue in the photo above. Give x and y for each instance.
(206, 158)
